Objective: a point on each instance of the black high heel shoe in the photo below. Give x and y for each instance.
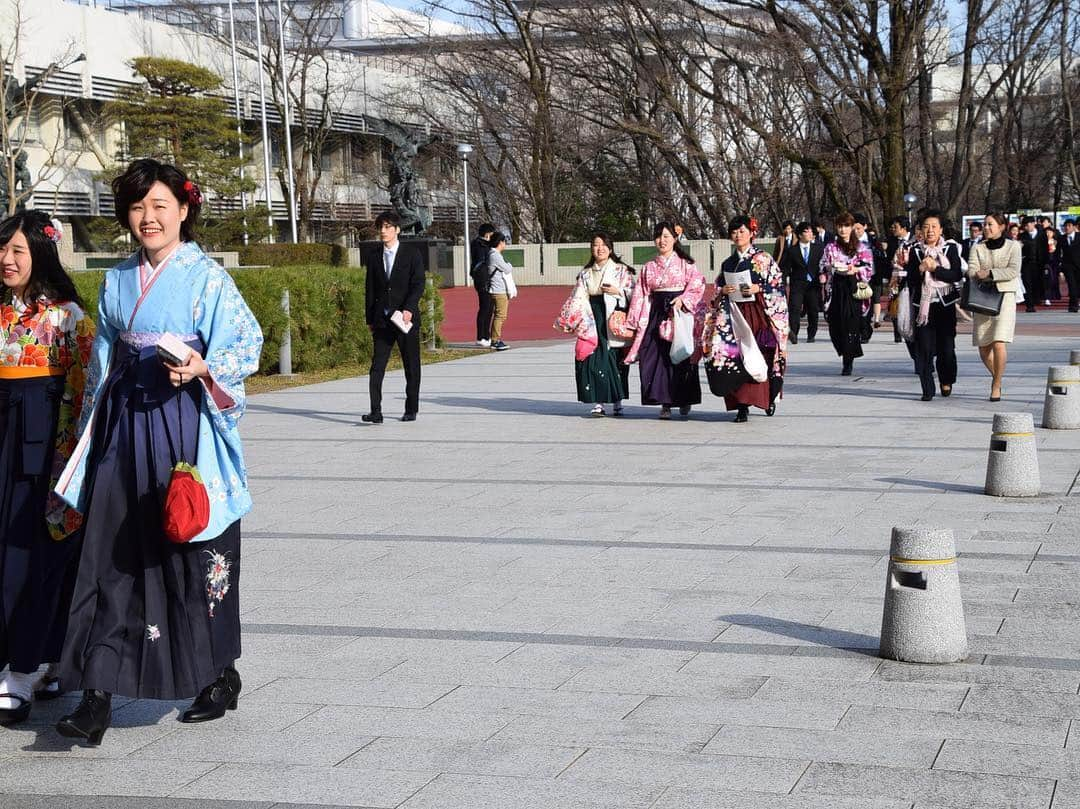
(743, 415)
(90, 719)
(215, 699)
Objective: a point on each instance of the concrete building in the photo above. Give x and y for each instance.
(83, 49)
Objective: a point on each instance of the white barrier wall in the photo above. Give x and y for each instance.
(559, 264)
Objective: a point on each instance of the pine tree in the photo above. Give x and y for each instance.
(176, 117)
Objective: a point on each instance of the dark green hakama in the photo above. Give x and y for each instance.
(599, 379)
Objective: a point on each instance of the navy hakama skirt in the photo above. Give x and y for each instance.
(36, 571)
(149, 618)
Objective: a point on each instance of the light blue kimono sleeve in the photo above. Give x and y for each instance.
(100, 356)
(233, 341)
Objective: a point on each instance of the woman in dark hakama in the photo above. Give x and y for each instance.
(44, 346)
(669, 282)
(766, 314)
(607, 284)
(848, 262)
(155, 616)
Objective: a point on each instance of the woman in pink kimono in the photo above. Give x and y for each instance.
(669, 282)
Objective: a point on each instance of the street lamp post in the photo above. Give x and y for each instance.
(239, 116)
(262, 115)
(290, 177)
(464, 149)
(909, 202)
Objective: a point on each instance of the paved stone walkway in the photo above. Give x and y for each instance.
(507, 604)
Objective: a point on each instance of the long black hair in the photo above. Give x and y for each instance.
(605, 237)
(135, 182)
(680, 251)
(47, 276)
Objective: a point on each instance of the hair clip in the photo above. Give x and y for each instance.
(54, 231)
(193, 193)
(753, 225)
(678, 230)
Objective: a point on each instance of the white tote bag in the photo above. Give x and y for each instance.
(511, 287)
(903, 314)
(682, 345)
(752, 358)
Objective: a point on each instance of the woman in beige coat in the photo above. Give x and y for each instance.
(996, 258)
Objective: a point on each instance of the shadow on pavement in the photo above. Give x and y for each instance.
(833, 638)
(940, 486)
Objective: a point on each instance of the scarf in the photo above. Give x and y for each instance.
(930, 285)
(995, 244)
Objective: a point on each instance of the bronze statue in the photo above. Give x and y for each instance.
(404, 192)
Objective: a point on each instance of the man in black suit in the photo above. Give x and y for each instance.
(801, 264)
(394, 284)
(974, 237)
(1069, 245)
(1033, 244)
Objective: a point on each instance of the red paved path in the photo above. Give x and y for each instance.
(533, 311)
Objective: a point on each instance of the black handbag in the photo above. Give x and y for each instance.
(726, 379)
(981, 297)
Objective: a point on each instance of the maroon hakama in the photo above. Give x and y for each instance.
(756, 394)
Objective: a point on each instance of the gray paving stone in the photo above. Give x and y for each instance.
(402, 722)
(666, 735)
(488, 792)
(930, 787)
(1007, 701)
(497, 758)
(1000, 676)
(583, 705)
(679, 797)
(1033, 730)
(813, 716)
(649, 769)
(24, 801)
(74, 776)
(825, 745)
(1009, 759)
(389, 692)
(878, 692)
(293, 746)
(322, 785)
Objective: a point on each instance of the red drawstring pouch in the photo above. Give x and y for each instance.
(186, 512)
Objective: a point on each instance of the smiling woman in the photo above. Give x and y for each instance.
(154, 616)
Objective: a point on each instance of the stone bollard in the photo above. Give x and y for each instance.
(1012, 470)
(1061, 407)
(923, 620)
(1074, 358)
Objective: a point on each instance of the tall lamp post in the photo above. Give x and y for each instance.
(239, 115)
(465, 149)
(909, 202)
(290, 185)
(262, 116)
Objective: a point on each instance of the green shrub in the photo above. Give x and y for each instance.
(327, 308)
(292, 255)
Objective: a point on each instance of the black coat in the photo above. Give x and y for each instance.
(1070, 254)
(401, 291)
(795, 269)
(1035, 249)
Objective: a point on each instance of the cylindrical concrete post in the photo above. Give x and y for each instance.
(1012, 468)
(923, 619)
(1061, 406)
(1074, 358)
(285, 349)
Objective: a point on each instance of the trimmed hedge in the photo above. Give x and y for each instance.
(327, 307)
(292, 255)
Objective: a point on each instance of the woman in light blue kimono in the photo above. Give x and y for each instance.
(151, 617)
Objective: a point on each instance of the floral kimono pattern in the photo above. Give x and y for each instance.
(675, 273)
(576, 315)
(216, 313)
(835, 258)
(52, 335)
(718, 340)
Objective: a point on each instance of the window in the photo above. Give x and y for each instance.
(30, 125)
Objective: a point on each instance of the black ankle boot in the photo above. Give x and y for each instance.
(743, 414)
(215, 699)
(90, 719)
(848, 365)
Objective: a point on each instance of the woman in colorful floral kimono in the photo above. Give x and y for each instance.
(849, 263)
(44, 346)
(153, 616)
(606, 285)
(667, 283)
(766, 314)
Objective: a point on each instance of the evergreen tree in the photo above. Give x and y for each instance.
(175, 117)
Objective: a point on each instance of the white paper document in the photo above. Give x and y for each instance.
(738, 279)
(399, 321)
